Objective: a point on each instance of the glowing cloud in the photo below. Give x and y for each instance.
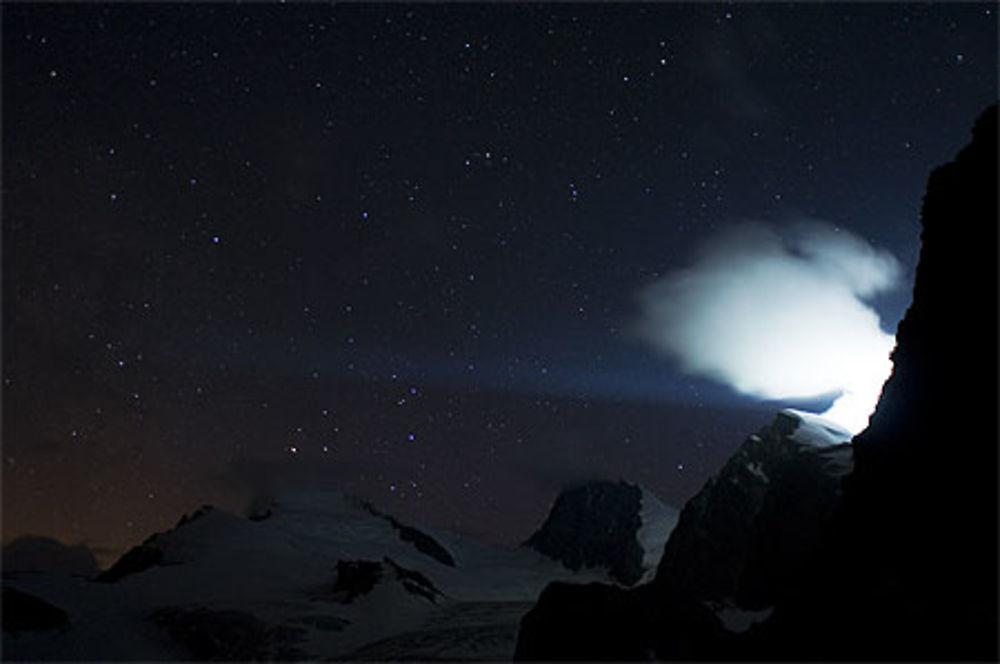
(779, 316)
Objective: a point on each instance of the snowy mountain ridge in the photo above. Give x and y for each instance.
(314, 574)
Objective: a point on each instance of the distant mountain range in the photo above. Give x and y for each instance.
(319, 575)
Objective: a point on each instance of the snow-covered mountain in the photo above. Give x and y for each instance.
(616, 526)
(315, 575)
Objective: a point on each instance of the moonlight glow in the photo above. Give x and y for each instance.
(780, 316)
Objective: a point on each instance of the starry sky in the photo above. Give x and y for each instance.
(396, 248)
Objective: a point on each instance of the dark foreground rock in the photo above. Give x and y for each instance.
(910, 567)
(23, 612)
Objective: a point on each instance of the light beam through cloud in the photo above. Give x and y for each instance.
(779, 316)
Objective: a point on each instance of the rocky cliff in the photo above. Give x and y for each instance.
(910, 568)
(743, 539)
(616, 526)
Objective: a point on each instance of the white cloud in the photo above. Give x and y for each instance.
(779, 316)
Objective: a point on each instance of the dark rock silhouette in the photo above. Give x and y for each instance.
(148, 554)
(199, 513)
(414, 582)
(595, 525)
(420, 540)
(357, 578)
(24, 612)
(137, 559)
(44, 554)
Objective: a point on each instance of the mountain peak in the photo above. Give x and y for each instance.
(615, 525)
(744, 535)
(813, 429)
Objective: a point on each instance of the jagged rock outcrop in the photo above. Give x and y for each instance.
(357, 578)
(420, 540)
(617, 526)
(910, 568)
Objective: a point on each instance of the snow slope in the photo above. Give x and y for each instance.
(658, 521)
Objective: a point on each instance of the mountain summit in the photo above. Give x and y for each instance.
(617, 526)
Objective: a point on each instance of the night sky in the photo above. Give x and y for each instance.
(396, 249)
